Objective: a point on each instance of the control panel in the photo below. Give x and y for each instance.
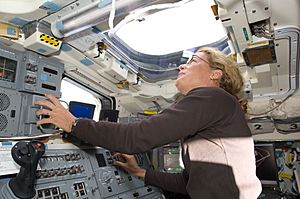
(24, 78)
(40, 74)
(80, 173)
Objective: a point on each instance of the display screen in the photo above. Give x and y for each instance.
(82, 110)
(266, 167)
(8, 68)
(109, 115)
(171, 159)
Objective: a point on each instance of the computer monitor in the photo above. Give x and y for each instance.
(266, 167)
(82, 110)
(167, 158)
(171, 163)
(110, 115)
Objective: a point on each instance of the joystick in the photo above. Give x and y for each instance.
(27, 155)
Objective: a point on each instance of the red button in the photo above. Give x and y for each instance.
(38, 145)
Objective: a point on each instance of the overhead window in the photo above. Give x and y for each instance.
(191, 25)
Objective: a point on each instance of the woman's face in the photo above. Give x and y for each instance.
(195, 73)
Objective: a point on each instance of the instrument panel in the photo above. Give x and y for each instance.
(89, 173)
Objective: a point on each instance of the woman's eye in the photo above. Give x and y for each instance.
(190, 61)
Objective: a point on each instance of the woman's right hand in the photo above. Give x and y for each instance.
(56, 112)
(129, 164)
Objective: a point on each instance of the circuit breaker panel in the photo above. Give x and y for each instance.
(79, 173)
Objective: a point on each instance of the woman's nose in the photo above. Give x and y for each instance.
(182, 66)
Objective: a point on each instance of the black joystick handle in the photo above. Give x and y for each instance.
(27, 155)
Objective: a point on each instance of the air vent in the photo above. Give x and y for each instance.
(3, 122)
(4, 101)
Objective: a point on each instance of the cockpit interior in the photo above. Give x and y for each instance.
(118, 60)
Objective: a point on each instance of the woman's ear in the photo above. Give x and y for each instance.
(216, 74)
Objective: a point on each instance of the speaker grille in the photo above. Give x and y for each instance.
(3, 122)
(4, 102)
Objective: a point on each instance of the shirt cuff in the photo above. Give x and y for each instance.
(149, 177)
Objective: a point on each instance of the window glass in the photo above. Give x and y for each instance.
(72, 92)
(191, 25)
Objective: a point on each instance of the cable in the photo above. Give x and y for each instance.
(112, 15)
(268, 111)
(17, 138)
(157, 106)
(64, 103)
(261, 31)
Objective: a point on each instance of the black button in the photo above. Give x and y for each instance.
(75, 186)
(40, 193)
(13, 113)
(54, 191)
(64, 196)
(136, 194)
(47, 192)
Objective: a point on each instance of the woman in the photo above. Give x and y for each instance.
(217, 147)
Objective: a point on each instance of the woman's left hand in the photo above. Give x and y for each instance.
(58, 115)
(129, 164)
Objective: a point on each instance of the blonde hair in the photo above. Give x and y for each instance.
(231, 80)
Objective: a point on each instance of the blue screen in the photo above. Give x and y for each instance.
(82, 110)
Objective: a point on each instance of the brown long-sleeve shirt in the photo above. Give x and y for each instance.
(218, 150)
